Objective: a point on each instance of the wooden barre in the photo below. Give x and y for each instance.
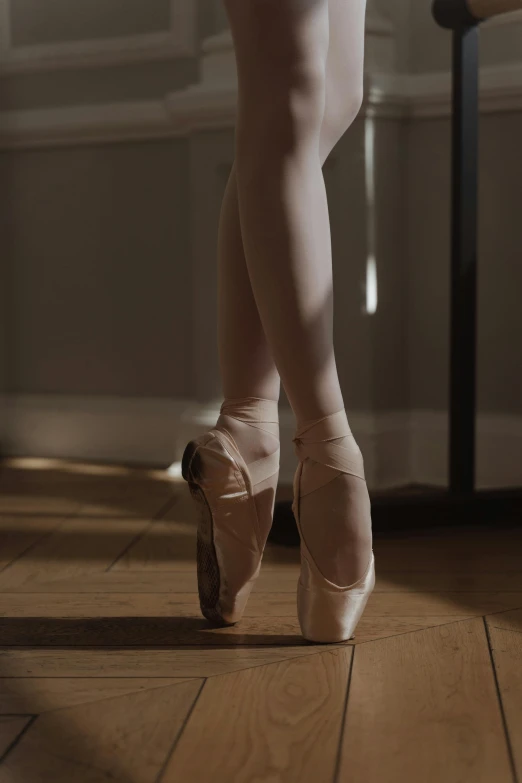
(485, 9)
(467, 13)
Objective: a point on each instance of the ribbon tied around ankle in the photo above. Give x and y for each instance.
(314, 441)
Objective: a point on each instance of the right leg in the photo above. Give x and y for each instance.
(282, 49)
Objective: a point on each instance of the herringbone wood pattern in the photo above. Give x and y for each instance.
(108, 672)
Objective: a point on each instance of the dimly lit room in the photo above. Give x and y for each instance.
(260, 391)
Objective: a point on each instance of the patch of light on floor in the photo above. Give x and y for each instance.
(174, 470)
(85, 468)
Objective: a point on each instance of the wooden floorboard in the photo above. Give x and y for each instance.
(506, 647)
(279, 722)
(77, 547)
(11, 727)
(430, 698)
(158, 632)
(261, 605)
(19, 534)
(34, 696)
(109, 672)
(122, 738)
(162, 543)
(145, 662)
(508, 621)
(181, 578)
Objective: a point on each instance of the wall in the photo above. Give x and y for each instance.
(500, 271)
(113, 200)
(103, 52)
(98, 304)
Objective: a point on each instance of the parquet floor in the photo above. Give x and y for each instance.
(108, 673)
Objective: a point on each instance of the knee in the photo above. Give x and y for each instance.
(284, 112)
(281, 62)
(351, 108)
(340, 113)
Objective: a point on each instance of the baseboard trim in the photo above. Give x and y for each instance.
(399, 447)
(104, 429)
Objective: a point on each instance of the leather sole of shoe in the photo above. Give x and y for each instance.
(207, 565)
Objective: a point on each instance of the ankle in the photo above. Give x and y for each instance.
(320, 416)
(253, 424)
(318, 435)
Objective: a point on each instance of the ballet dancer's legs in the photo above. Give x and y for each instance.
(300, 82)
(246, 361)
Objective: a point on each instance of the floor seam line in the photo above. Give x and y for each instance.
(135, 540)
(420, 630)
(280, 660)
(337, 767)
(509, 630)
(41, 538)
(17, 739)
(121, 695)
(170, 754)
(507, 736)
(167, 505)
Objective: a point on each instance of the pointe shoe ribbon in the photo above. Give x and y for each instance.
(230, 541)
(256, 412)
(327, 612)
(313, 440)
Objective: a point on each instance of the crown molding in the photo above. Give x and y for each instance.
(429, 94)
(178, 41)
(72, 126)
(212, 105)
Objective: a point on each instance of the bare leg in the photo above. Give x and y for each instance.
(283, 51)
(246, 361)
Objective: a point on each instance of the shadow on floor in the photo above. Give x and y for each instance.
(130, 632)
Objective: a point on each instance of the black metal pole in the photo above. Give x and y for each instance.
(464, 260)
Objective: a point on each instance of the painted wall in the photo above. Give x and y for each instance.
(109, 248)
(500, 271)
(100, 247)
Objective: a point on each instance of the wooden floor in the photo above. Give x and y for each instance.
(108, 673)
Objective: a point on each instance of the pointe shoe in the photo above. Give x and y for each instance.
(327, 612)
(230, 537)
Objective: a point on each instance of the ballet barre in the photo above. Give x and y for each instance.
(463, 17)
(466, 13)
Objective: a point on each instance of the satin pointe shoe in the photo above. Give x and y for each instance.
(232, 532)
(328, 612)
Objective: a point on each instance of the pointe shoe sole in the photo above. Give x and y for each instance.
(207, 564)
